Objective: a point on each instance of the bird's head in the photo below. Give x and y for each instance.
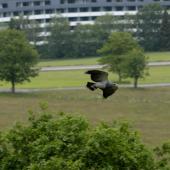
(115, 86)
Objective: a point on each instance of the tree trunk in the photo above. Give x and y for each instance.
(135, 82)
(13, 87)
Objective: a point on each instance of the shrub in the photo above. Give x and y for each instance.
(68, 142)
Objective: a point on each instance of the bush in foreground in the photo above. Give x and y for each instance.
(70, 143)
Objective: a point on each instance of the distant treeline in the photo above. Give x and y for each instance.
(150, 26)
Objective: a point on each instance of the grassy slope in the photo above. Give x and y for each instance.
(147, 109)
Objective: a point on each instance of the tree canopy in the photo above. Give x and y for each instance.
(115, 50)
(135, 65)
(17, 58)
(165, 32)
(148, 26)
(69, 142)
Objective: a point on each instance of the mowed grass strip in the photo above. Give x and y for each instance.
(152, 56)
(158, 56)
(148, 110)
(77, 78)
(68, 62)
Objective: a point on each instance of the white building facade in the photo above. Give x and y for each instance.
(77, 11)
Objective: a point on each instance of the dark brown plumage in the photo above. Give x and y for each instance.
(101, 81)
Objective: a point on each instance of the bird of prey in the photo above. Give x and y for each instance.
(101, 81)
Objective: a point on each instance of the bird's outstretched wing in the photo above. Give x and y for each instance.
(109, 91)
(97, 75)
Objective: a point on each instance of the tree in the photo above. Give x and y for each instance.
(165, 32)
(148, 26)
(135, 65)
(17, 58)
(30, 27)
(20, 23)
(86, 41)
(70, 143)
(115, 50)
(60, 39)
(104, 26)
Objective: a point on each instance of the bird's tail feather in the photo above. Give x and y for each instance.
(91, 86)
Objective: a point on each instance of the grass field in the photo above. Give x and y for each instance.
(158, 56)
(77, 78)
(155, 56)
(148, 110)
(69, 62)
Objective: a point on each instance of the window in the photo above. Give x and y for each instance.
(72, 19)
(48, 11)
(38, 12)
(61, 10)
(168, 7)
(107, 8)
(27, 12)
(72, 9)
(84, 18)
(4, 5)
(47, 2)
(62, 1)
(95, 9)
(93, 17)
(37, 3)
(25, 3)
(84, 9)
(6, 14)
(119, 8)
(39, 21)
(48, 20)
(131, 8)
(71, 1)
(15, 13)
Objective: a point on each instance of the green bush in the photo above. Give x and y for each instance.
(68, 142)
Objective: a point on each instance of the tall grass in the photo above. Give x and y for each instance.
(148, 110)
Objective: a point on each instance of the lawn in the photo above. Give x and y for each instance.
(148, 110)
(69, 62)
(154, 56)
(77, 78)
(159, 56)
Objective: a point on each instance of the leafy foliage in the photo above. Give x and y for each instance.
(165, 32)
(85, 41)
(115, 50)
(163, 156)
(135, 65)
(17, 58)
(148, 26)
(31, 28)
(69, 142)
(60, 40)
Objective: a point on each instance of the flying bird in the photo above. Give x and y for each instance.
(101, 81)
